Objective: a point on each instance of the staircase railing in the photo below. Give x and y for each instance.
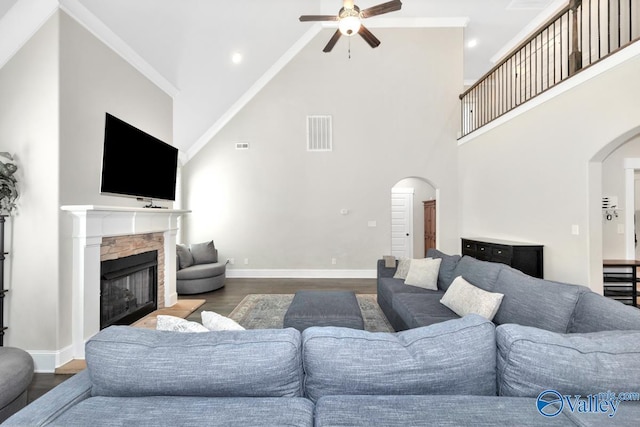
(581, 34)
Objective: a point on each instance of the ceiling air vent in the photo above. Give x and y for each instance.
(319, 133)
(242, 145)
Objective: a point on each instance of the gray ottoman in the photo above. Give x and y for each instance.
(16, 372)
(323, 308)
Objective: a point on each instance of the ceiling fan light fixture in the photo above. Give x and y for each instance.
(349, 23)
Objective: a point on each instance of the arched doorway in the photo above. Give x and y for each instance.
(408, 216)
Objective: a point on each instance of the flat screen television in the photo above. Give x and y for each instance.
(136, 164)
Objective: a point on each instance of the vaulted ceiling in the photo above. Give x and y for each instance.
(186, 46)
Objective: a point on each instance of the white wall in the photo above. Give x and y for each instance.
(29, 130)
(613, 184)
(395, 114)
(537, 175)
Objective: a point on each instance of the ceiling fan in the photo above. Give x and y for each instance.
(350, 21)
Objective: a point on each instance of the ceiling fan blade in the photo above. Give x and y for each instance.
(369, 37)
(305, 18)
(387, 7)
(332, 42)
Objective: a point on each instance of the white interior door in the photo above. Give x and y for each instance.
(402, 222)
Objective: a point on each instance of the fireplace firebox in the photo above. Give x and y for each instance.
(128, 288)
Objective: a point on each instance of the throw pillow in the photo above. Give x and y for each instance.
(204, 253)
(185, 259)
(402, 269)
(216, 322)
(463, 298)
(424, 273)
(178, 324)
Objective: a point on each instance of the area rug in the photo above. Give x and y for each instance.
(266, 311)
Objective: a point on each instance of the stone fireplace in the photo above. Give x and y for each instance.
(103, 233)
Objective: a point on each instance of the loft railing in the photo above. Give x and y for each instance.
(581, 34)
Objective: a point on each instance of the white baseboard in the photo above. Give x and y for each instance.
(300, 274)
(47, 361)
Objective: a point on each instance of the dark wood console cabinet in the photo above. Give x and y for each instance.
(526, 257)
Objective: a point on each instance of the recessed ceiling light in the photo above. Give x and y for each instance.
(472, 43)
(236, 57)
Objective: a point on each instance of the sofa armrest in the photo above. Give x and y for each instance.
(385, 271)
(51, 405)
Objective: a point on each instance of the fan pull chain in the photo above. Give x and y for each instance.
(349, 48)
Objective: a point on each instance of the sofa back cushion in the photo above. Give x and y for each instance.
(594, 313)
(535, 302)
(453, 357)
(532, 360)
(447, 267)
(482, 274)
(126, 361)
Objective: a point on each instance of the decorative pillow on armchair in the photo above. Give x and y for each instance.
(185, 259)
(204, 253)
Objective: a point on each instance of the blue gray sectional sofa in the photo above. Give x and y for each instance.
(543, 304)
(462, 371)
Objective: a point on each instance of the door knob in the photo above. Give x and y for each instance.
(407, 234)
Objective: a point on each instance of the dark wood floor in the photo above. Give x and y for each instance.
(224, 300)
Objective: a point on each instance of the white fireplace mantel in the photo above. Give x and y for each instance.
(90, 224)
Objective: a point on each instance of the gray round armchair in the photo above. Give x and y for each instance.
(16, 372)
(198, 269)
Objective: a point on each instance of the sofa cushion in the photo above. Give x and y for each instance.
(126, 361)
(201, 271)
(463, 298)
(453, 357)
(535, 302)
(422, 309)
(402, 411)
(424, 273)
(204, 253)
(185, 259)
(388, 287)
(532, 360)
(482, 274)
(595, 313)
(189, 411)
(447, 267)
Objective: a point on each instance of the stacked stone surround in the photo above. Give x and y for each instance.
(122, 246)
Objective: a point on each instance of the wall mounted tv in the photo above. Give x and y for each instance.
(136, 164)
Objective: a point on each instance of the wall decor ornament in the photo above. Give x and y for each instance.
(8, 184)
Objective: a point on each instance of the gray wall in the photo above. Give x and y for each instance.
(395, 114)
(29, 130)
(55, 92)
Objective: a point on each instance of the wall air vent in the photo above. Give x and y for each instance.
(242, 145)
(319, 133)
